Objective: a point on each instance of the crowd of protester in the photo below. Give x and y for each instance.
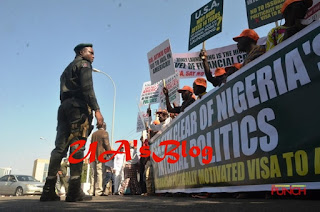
(135, 176)
(293, 11)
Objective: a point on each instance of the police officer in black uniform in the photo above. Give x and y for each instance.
(74, 122)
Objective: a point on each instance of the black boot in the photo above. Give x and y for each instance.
(75, 192)
(49, 193)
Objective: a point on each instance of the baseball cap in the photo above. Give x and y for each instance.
(219, 71)
(201, 81)
(250, 33)
(185, 88)
(288, 2)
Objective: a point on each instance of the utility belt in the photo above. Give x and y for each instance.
(71, 95)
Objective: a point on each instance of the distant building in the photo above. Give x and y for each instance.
(40, 169)
(5, 171)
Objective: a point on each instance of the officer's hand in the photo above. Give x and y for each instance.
(99, 118)
(165, 91)
(203, 54)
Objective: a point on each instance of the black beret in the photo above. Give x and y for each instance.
(80, 46)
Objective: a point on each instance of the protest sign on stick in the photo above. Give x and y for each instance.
(172, 84)
(160, 62)
(313, 13)
(205, 23)
(150, 93)
(142, 119)
(263, 12)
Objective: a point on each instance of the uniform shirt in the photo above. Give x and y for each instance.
(275, 36)
(76, 82)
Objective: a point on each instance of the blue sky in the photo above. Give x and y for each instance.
(38, 38)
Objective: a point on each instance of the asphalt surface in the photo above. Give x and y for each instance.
(158, 203)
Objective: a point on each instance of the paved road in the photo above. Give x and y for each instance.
(159, 203)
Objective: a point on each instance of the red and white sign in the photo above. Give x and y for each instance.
(313, 13)
(160, 62)
(190, 65)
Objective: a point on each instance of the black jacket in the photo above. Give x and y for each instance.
(76, 82)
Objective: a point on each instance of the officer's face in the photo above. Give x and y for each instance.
(87, 53)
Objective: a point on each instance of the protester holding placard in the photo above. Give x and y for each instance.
(213, 79)
(200, 87)
(247, 42)
(220, 74)
(293, 11)
(186, 94)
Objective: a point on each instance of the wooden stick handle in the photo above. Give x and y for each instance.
(203, 48)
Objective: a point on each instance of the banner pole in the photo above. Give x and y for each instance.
(146, 124)
(203, 48)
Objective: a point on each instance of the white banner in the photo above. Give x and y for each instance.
(160, 62)
(189, 65)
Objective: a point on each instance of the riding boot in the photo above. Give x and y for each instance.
(75, 192)
(49, 192)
